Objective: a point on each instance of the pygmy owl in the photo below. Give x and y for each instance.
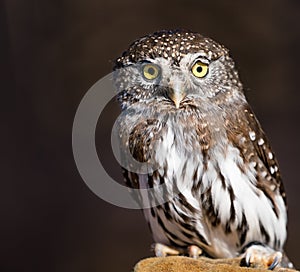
(184, 108)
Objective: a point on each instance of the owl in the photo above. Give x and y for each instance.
(184, 109)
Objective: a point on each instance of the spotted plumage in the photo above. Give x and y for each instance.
(184, 109)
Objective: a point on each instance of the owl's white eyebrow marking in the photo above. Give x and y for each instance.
(190, 58)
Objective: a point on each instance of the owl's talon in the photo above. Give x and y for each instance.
(194, 251)
(274, 263)
(247, 259)
(163, 250)
(261, 256)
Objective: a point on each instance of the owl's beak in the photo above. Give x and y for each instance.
(176, 95)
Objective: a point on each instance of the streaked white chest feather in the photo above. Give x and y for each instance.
(248, 200)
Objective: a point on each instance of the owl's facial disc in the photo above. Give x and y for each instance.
(174, 82)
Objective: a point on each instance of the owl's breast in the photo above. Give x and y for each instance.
(179, 155)
(222, 200)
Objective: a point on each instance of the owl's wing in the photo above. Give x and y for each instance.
(131, 179)
(268, 174)
(139, 142)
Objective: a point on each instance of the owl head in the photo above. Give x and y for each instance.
(176, 69)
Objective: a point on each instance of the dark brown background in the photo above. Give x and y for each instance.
(53, 51)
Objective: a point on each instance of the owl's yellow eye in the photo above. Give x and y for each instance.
(151, 71)
(200, 69)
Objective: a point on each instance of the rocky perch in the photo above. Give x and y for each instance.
(185, 264)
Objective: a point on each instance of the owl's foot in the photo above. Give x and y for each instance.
(163, 250)
(194, 251)
(261, 256)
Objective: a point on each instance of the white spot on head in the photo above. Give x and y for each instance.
(261, 141)
(270, 155)
(252, 135)
(272, 170)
